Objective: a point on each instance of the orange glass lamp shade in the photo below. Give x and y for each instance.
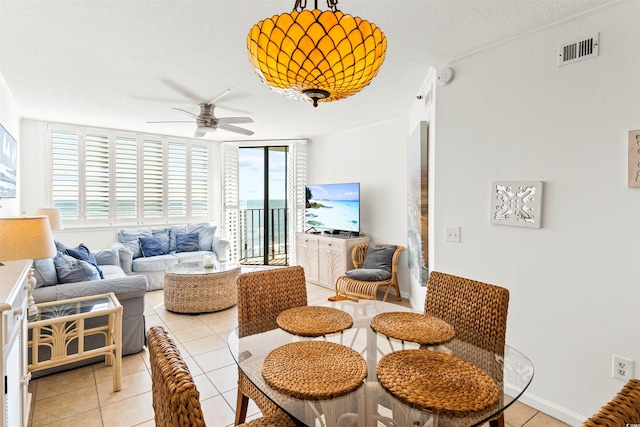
(315, 55)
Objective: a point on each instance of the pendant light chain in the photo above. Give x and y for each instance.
(302, 4)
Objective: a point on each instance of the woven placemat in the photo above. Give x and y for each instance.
(436, 381)
(314, 321)
(314, 369)
(413, 327)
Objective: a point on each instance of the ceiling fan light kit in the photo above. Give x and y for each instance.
(314, 55)
(206, 121)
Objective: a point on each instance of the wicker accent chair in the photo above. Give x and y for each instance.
(623, 409)
(478, 312)
(262, 295)
(361, 289)
(175, 396)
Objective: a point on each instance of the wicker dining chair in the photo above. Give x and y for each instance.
(623, 409)
(362, 289)
(478, 312)
(261, 295)
(175, 396)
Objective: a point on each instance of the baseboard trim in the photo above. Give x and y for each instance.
(556, 411)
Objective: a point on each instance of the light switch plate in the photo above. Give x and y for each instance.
(452, 234)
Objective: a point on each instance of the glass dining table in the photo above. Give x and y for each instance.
(402, 383)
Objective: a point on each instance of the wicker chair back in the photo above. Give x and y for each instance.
(175, 396)
(623, 409)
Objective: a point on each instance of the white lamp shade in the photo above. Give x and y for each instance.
(27, 237)
(55, 219)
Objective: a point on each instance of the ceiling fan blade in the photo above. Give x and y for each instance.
(214, 100)
(199, 132)
(235, 129)
(195, 116)
(182, 90)
(233, 120)
(173, 121)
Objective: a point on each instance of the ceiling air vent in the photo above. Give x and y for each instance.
(578, 50)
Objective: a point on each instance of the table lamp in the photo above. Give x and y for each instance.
(55, 219)
(26, 237)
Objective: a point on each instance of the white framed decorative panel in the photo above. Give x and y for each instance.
(517, 203)
(634, 158)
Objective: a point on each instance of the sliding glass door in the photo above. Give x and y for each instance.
(262, 187)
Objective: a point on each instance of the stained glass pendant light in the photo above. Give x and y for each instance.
(315, 55)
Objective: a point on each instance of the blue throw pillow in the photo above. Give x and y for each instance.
(174, 230)
(379, 257)
(83, 253)
(45, 272)
(151, 246)
(205, 234)
(187, 242)
(162, 234)
(129, 238)
(72, 270)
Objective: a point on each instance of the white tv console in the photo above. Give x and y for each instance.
(325, 257)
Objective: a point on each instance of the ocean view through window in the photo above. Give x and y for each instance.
(264, 230)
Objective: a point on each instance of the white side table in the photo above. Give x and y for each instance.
(61, 322)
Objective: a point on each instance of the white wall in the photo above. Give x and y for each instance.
(10, 119)
(375, 156)
(511, 114)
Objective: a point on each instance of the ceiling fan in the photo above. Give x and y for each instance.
(206, 121)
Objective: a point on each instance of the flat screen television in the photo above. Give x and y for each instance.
(8, 164)
(334, 207)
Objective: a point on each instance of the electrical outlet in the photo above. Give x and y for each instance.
(622, 368)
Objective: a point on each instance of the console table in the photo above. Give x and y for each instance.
(16, 400)
(325, 258)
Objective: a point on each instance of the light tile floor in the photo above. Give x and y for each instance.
(85, 397)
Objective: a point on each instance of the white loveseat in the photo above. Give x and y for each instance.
(134, 262)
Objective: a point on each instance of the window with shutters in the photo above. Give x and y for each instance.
(152, 180)
(177, 179)
(106, 177)
(96, 165)
(65, 190)
(126, 184)
(199, 180)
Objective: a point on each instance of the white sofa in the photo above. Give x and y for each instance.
(133, 261)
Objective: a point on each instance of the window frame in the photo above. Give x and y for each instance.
(202, 155)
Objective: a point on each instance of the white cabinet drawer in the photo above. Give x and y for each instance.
(308, 239)
(331, 244)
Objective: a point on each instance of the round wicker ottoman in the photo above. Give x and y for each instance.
(191, 288)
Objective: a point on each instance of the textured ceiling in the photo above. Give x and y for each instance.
(119, 64)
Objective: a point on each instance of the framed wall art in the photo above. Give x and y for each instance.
(517, 203)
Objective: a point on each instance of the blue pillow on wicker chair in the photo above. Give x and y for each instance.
(151, 246)
(379, 257)
(188, 242)
(369, 274)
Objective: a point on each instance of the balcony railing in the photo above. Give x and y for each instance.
(253, 248)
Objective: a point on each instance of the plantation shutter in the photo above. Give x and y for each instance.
(65, 180)
(153, 179)
(177, 180)
(230, 199)
(296, 191)
(199, 181)
(96, 204)
(126, 179)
